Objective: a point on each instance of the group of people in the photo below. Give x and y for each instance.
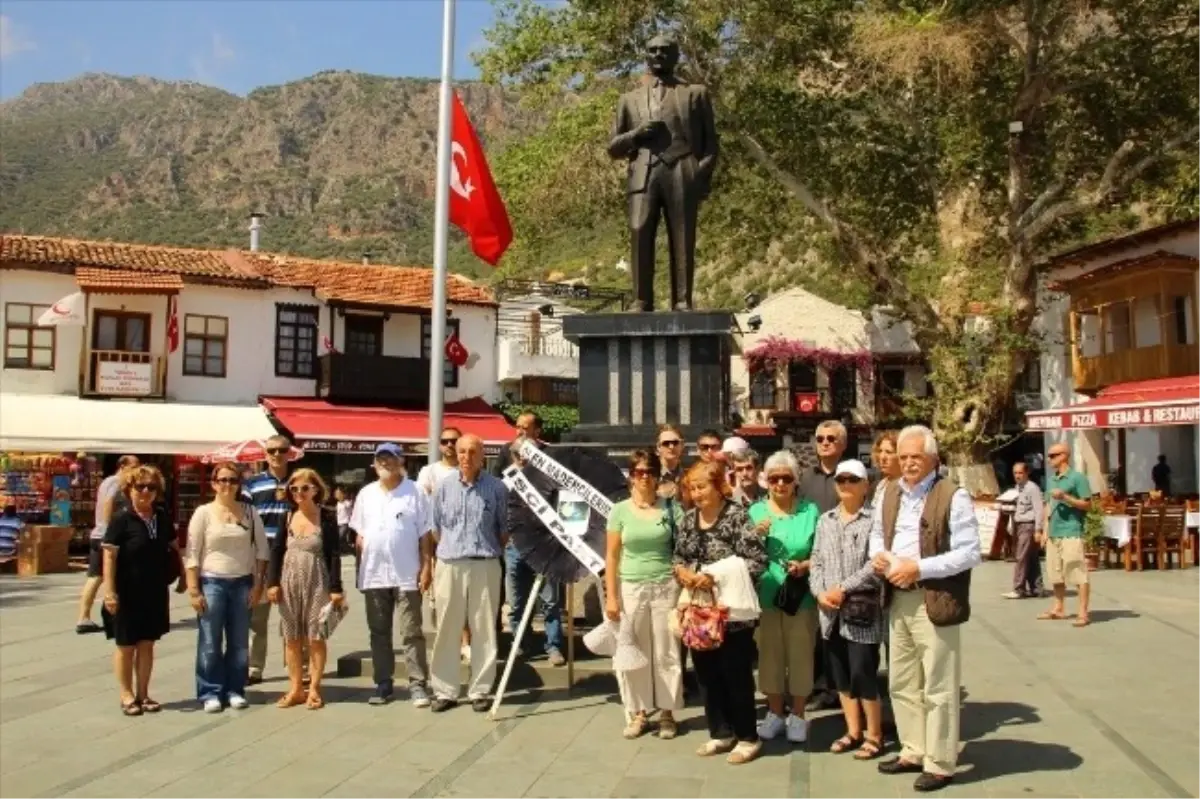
(839, 567)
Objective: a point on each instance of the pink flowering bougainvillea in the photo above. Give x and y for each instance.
(775, 351)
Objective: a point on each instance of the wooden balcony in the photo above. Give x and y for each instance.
(799, 405)
(384, 379)
(119, 373)
(1144, 363)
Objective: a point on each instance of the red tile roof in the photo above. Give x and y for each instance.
(336, 281)
(123, 281)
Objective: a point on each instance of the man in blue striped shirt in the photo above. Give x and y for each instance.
(468, 512)
(265, 492)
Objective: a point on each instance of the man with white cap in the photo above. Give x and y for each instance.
(392, 522)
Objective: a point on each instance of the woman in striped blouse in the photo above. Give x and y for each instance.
(849, 596)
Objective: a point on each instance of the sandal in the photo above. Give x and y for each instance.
(1050, 615)
(716, 746)
(869, 750)
(131, 708)
(315, 702)
(1082, 621)
(667, 728)
(636, 727)
(845, 744)
(290, 700)
(149, 705)
(744, 752)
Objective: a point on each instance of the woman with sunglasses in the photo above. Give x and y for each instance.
(714, 529)
(787, 630)
(226, 562)
(850, 594)
(305, 574)
(139, 549)
(640, 584)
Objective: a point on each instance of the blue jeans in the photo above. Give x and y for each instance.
(518, 580)
(227, 621)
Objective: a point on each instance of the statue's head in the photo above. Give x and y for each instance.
(662, 55)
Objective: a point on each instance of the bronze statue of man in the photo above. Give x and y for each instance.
(666, 130)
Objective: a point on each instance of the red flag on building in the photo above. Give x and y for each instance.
(456, 352)
(173, 326)
(475, 204)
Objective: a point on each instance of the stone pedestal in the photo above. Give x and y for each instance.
(640, 370)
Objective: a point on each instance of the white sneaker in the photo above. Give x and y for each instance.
(771, 726)
(212, 705)
(238, 702)
(797, 729)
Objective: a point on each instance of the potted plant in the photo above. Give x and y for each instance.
(1093, 531)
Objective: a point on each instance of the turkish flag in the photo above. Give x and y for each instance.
(475, 205)
(173, 326)
(456, 353)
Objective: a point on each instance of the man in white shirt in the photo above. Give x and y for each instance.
(432, 473)
(925, 541)
(106, 495)
(392, 524)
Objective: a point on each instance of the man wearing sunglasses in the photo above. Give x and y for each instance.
(432, 473)
(818, 485)
(265, 492)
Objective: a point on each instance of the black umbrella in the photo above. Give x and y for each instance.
(538, 547)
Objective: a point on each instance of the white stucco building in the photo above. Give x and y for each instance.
(338, 338)
(534, 362)
(1120, 358)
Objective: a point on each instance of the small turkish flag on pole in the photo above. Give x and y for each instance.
(475, 204)
(173, 326)
(456, 351)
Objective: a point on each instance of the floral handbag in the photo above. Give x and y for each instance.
(702, 625)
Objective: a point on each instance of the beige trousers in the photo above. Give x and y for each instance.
(465, 591)
(659, 685)
(924, 674)
(785, 652)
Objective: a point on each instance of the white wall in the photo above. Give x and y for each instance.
(250, 363)
(559, 358)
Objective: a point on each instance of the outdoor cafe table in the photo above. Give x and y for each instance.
(1119, 527)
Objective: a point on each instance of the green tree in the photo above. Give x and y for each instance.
(929, 150)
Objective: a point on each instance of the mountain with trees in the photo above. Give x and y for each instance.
(921, 155)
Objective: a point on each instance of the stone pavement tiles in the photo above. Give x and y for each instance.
(1110, 710)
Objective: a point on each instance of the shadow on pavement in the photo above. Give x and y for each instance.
(998, 757)
(983, 718)
(1099, 616)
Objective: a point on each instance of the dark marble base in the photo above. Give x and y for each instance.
(640, 370)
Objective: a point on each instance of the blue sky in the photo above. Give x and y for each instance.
(237, 45)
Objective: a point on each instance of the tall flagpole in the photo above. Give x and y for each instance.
(441, 230)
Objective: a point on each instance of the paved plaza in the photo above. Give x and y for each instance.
(1110, 710)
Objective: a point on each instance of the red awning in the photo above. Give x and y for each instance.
(319, 426)
(1146, 403)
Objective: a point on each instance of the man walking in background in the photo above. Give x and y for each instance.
(1027, 525)
(107, 495)
(266, 493)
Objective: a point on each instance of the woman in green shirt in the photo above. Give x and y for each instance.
(640, 583)
(788, 626)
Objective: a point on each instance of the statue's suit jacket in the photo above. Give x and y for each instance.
(688, 113)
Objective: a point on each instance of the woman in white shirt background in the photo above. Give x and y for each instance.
(344, 498)
(225, 566)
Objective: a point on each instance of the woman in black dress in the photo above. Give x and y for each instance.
(139, 555)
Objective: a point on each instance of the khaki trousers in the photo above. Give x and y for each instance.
(465, 591)
(260, 618)
(785, 652)
(924, 673)
(659, 685)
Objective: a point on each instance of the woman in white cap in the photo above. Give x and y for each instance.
(849, 596)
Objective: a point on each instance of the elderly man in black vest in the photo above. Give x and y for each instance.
(925, 541)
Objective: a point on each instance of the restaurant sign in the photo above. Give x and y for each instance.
(114, 378)
(362, 447)
(1116, 416)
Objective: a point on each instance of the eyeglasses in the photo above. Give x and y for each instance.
(781, 479)
(301, 488)
(1056, 455)
(642, 472)
(449, 442)
(828, 439)
(227, 481)
(707, 447)
(670, 442)
(144, 487)
(841, 480)
(276, 450)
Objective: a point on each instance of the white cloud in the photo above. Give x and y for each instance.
(207, 65)
(13, 40)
